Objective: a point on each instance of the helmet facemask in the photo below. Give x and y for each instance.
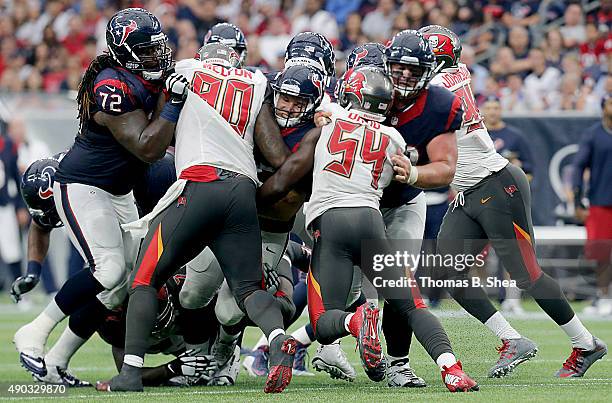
(295, 116)
(409, 85)
(152, 60)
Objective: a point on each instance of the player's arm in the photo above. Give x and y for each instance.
(294, 169)
(38, 246)
(146, 139)
(268, 138)
(582, 161)
(186, 364)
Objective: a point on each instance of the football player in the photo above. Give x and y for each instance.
(230, 35)
(494, 203)
(343, 210)
(94, 181)
(224, 116)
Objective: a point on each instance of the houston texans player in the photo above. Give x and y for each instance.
(354, 159)
(119, 92)
(215, 165)
(494, 202)
(368, 54)
(229, 35)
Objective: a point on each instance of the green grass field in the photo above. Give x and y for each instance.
(473, 343)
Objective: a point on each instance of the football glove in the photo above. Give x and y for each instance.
(271, 278)
(22, 285)
(177, 87)
(191, 365)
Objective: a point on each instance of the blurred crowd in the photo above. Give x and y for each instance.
(533, 55)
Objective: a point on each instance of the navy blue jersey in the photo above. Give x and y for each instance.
(96, 158)
(512, 145)
(595, 153)
(156, 180)
(9, 172)
(435, 111)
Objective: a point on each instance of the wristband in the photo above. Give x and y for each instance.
(414, 175)
(171, 112)
(34, 268)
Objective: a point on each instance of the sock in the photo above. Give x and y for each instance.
(404, 361)
(226, 337)
(63, 350)
(274, 333)
(578, 334)
(261, 342)
(133, 361)
(141, 314)
(48, 319)
(446, 360)
(347, 322)
(302, 336)
(501, 328)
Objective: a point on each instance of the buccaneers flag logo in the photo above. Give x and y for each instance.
(355, 83)
(441, 45)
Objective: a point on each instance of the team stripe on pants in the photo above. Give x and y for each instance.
(75, 227)
(527, 253)
(315, 301)
(150, 259)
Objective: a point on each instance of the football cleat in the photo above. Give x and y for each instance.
(282, 351)
(365, 325)
(226, 375)
(456, 380)
(223, 351)
(61, 376)
(512, 353)
(31, 350)
(399, 374)
(580, 360)
(331, 358)
(299, 361)
(256, 363)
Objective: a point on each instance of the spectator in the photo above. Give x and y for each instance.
(400, 23)
(595, 153)
(593, 50)
(541, 82)
(201, 13)
(352, 35)
(341, 9)
(377, 25)
(553, 48)
(254, 58)
(318, 20)
(518, 41)
(512, 97)
(523, 13)
(502, 63)
(573, 26)
(571, 96)
(415, 13)
(272, 46)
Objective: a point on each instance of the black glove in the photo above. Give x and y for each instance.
(177, 87)
(191, 365)
(271, 278)
(22, 285)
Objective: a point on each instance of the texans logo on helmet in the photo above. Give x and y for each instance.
(317, 83)
(360, 56)
(441, 44)
(46, 191)
(355, 84)
(122, 31)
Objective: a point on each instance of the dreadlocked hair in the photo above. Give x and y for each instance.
(85, 96)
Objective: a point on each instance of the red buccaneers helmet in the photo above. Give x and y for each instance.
(445, 45)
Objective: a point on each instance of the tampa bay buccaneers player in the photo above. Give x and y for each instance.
(494, 202)
(125, 123)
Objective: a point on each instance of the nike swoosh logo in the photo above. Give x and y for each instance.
(483, 201)
(113, 89)
(270, 250)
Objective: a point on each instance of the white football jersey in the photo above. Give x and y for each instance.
(477, 157)
(217, 122)
(352, 162)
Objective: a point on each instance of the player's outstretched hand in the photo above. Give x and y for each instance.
(401, 166)
(192, 365)
(322, 118)
(22, 285)
(177, 86)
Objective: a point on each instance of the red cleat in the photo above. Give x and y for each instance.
(458, 381)
(365, 326)
(282, 350)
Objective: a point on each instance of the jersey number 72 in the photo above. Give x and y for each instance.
(371, 151)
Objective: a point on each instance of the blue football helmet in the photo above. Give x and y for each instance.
(368, 54)
(37, 191)
(230, 35)
(312, 49)
(411, 51)
(302, 82)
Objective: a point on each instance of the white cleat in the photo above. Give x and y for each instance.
(227, 374)
(31, 347)
(61, 376)
(332, 359)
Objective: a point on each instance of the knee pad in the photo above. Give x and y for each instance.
(227, 311)
(110, 270)
(324, 329)
(192, 298)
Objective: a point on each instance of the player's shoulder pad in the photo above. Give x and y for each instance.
(445, 107)
(114, 94)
